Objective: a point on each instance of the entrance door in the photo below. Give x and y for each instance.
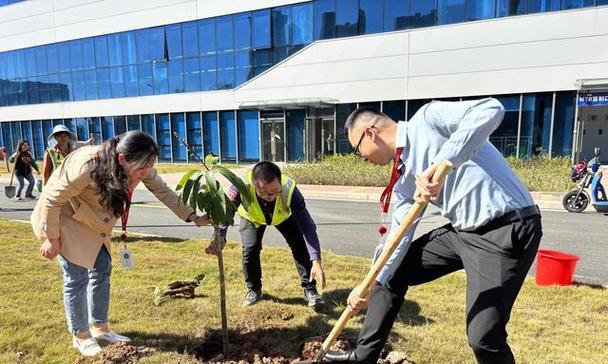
(320, 137)
(273, 139)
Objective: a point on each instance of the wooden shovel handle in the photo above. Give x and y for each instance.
(370, 279)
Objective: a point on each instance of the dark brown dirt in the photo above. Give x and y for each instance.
(121, 353)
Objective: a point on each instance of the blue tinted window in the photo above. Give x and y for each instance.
(76, 54)
(88, 53)
(20, 63)
(575, 4)
(107, 128)
(117, 78)
(147, 122)
(41, 64)
(280, 26)
(131, 81)
(133, 122)
(159, 71)
(192, 78)
(44, 89)
(94, 130)
(242, 31)
(211, 139)
(302, 23)
(294, 122)
(30, 62)
(539, 6)
(146, 81)
(244, 69)
(176, 76)
(262, 60)
(261, 29)
(190, 39)
(370, 16)
(504, 137)
(324, 19)
(563, 123)
(104, 85)
(90, 84)
(52, 57)
(174, 41)
(208, 73)
(450, 11)
(347, 18)
(78, 86)
(178, 126)
(114, 49)
(37, 138)
(510, 7)
(158, 49)
(142, 38)
(101, 51)
(249, 135)
(82, 129)
(480, 9)
(228, 135)
(129, 50)
(120, 125)
(206, 36)
(64, 57)
(422, 12)
(66, 82)
(194, 132)
(535, 124)
(163, 136)
(225, 74)
(394, 109)
(224, 33)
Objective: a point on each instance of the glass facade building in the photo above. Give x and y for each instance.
(223, 52)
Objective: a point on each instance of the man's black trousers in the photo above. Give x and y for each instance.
(496, 259)
(251, 239)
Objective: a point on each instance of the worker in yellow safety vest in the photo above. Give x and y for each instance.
(275, 200)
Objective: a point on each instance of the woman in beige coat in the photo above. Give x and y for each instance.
(74, 218)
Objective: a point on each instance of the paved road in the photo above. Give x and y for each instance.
(349, 227)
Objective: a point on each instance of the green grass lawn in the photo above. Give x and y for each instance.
(548, 325)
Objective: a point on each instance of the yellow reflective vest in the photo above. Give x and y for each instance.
(282, 209)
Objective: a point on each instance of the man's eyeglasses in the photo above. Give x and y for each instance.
(357, 151)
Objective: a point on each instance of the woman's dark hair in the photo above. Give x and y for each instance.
(139, 148)
(19, 144)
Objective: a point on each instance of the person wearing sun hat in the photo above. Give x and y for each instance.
(60, 143)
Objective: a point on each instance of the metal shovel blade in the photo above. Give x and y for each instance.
(9, 191)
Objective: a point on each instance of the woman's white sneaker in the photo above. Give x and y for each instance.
(87, 347)
(110, 337)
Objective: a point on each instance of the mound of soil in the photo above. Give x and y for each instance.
(120, 353)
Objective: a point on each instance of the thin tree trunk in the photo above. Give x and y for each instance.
(220, 263)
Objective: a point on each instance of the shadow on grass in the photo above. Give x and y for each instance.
(335, 302)
(592, 285)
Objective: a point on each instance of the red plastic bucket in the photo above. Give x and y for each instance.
(553, 267)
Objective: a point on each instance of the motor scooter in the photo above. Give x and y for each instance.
(589, 177)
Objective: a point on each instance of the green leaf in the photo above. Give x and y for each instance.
(185, 178)
(203, 201)
(189, 185)
(195, 191)
(236, 182)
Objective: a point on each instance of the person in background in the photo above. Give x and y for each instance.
(60, 143)
(23, 168)
(74, 219)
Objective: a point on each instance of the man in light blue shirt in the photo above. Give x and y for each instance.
(494, 230)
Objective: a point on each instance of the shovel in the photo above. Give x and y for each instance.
(9, 191)
(442, 170)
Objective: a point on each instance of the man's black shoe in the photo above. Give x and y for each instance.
(340, 357)
(253, 297)
(312, 296)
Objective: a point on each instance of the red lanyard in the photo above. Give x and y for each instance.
(385, 198)
(125, 216)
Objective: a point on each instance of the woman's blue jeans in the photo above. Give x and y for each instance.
(30, 187)
(86, 293)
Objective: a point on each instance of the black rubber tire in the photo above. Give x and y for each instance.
(577, 206)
